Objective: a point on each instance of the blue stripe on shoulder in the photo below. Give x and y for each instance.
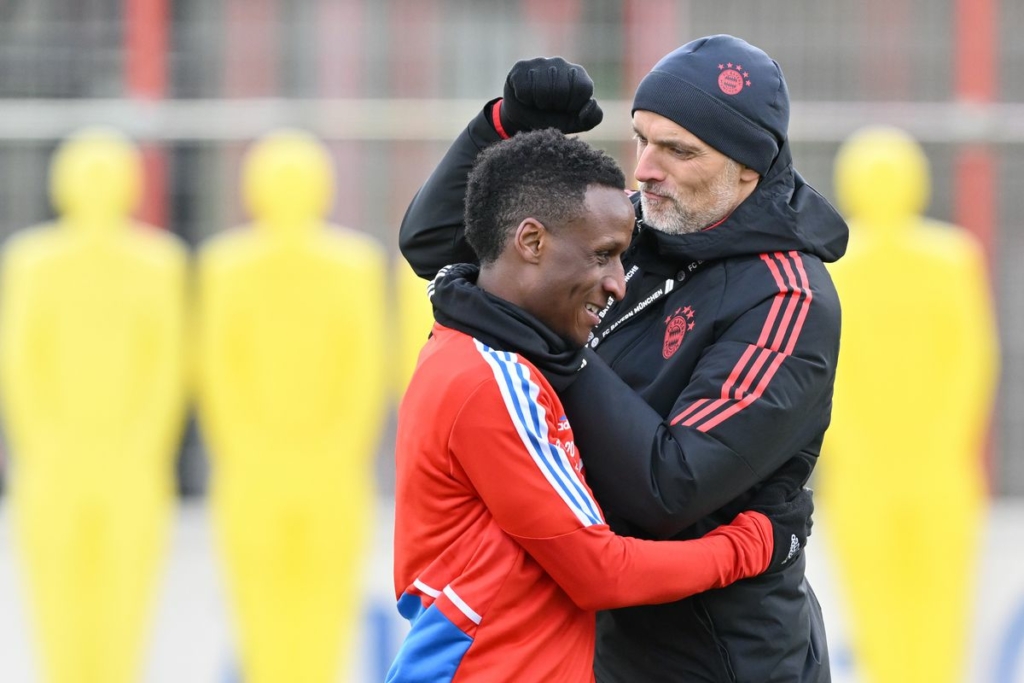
(432, 650)
(553, 460)
(521, 386)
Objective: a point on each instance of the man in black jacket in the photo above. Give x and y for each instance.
(716, 369)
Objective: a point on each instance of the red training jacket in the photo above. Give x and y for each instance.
(502, 555)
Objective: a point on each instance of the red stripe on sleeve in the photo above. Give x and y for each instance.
(704, 413)
(693, 406)
(805, 285)
(769, 322)
(741, 365)
(735, 374)
(754, 369)
(496, 120)
(747, 400)
(797, 295)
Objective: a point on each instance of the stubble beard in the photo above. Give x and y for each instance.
(676, 217)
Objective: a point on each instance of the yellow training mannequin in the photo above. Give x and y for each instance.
(292, 395)
(901, 478)
(92, 372)
(415, 318)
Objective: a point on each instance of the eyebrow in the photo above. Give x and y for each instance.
(610, 244)
(669, 142)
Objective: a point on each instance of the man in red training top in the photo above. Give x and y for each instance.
(502, 555)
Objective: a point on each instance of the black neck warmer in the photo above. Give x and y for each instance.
(460, 305)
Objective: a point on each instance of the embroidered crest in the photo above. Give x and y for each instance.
(732, 78)
(676, 327)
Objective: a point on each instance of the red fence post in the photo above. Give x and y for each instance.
(145, 73)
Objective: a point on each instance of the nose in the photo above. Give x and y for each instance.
(614, 282)
(647, 167)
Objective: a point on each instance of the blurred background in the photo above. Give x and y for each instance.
(387, 84)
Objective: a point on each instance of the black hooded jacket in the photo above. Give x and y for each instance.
(729, 340)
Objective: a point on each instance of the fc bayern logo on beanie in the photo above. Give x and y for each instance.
(732, 79)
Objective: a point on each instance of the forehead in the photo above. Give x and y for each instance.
(608, 215)
(658, 128)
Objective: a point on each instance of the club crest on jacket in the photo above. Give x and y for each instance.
(676, 327)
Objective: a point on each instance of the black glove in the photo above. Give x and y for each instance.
(789, 506)
(549, 92)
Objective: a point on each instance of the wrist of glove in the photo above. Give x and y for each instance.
(789, 506)
(549, 92)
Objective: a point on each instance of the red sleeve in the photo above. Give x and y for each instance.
(513, 445)
(600, 570)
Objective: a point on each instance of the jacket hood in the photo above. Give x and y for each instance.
(783, 213)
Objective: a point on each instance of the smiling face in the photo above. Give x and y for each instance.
(685, 184)
(579, 265)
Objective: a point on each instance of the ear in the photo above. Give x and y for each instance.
(748, 174)
(530, 240)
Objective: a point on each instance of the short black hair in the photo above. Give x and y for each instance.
(540, 174)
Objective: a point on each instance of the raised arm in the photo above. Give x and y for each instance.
(539, 93)
(431, 235)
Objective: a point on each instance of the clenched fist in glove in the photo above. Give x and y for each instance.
(549, 92)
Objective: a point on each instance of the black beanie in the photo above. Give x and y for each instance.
(725, 91)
